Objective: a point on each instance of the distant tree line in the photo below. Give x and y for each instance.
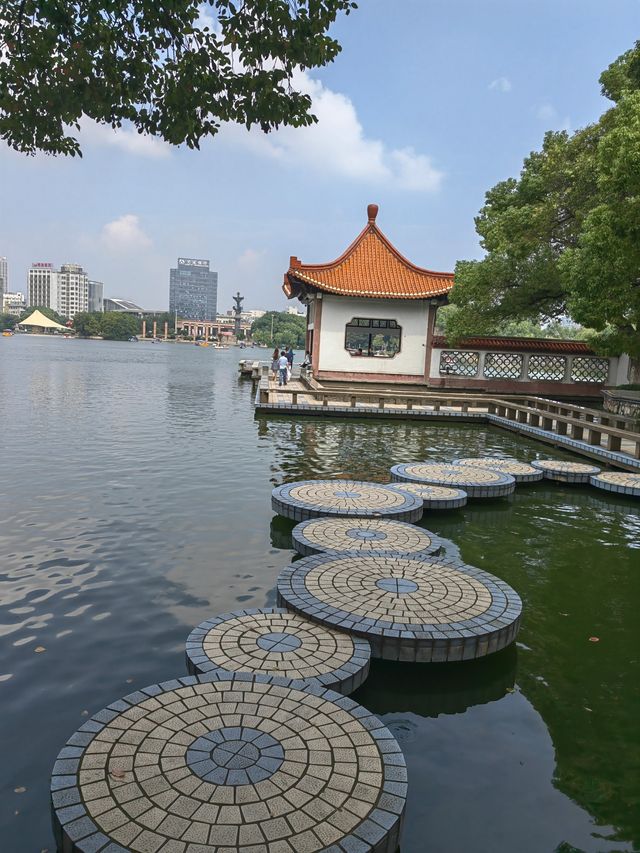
(279, 329)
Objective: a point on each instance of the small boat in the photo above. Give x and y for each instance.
(203, 344)
(7, 334)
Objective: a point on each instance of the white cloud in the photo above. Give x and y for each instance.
(546, 112)
(549, 114)
(124, 234)
(250, 261)
(125, 138)
(338, 145)
(501, 84)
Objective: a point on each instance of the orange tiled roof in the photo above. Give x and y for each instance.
(371, 266)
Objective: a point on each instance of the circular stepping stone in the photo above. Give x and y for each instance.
(409, 609)
(336, 498)
(476, 482)
(362, 536)
(276, 642)
(234, 763)
(434, 497)
(565, 472)
(622, 482)
(521, 472)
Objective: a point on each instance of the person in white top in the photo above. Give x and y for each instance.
(283, 368)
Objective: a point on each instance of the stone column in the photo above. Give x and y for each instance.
(524, 373)
(568, 364)
(144, 329)
(166, 331)
(155, 329)
(481, 358)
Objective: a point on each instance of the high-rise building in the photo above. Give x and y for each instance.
(96, 296)
(4, 276)
(193, 290)
(65, 290)
(42, 286)
(73, 290)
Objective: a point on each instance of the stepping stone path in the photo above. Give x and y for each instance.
(434, 497)
(617, 481)
(521, 472)
(234, 764)
(335, 498)
(276, 642)
(409, 609)
(362, 536)
(476, 482)
(565, 472)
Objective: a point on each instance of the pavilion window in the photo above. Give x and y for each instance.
(369, 337)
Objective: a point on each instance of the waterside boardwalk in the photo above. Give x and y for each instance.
(610, 438)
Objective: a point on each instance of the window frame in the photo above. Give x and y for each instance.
(367, 323)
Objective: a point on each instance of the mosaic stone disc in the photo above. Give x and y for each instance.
(565, 472)
(434, 497)
(362, 536)
(476, 482)
(622, 482)
(408, 608)
(236, 763)
(336, 498)
(521, 472)
(276, 642)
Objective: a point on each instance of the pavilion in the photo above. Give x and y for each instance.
(371, 312)
(371, 318)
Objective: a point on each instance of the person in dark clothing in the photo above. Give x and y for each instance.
(289, 355)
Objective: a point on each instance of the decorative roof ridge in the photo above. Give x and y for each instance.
(370, 228)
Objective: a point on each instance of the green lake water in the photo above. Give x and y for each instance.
(135, 502)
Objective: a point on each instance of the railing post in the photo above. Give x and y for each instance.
(381, 402)
(614, 442)
(294, 398)
(409, 404)
(594, 437)
(352, 401)
(325, 399)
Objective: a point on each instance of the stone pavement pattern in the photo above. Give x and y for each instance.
(617, 481)
(276, 642)
(434, 497)
(565, 472)
(362, 536)
(412, 609)
(236, 765)
(520, 471)
(476, 482)
(336, 498)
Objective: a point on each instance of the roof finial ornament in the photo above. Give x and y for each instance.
(372, 212)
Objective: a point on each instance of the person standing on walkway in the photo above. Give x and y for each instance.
(274, 363)
(289, 355)
(283, 368)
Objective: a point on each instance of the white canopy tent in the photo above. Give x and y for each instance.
(37, 318)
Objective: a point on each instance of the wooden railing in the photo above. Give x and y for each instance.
(580, 423)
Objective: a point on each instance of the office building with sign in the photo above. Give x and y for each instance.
(193, 290)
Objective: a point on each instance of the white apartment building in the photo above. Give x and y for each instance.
(13, 303)
(73, 290)
(42, 286)
(65, 290)
(96, 296)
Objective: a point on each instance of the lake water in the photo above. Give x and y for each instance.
(135, 502)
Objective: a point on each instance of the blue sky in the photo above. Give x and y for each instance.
(429, 104)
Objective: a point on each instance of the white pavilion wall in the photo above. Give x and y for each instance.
(411, 315)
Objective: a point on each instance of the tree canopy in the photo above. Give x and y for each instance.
(111, 325)
(564, 237)
(288, 329)
(48, 312)
(166, 67)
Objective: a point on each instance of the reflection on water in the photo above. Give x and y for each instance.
(135, 502)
